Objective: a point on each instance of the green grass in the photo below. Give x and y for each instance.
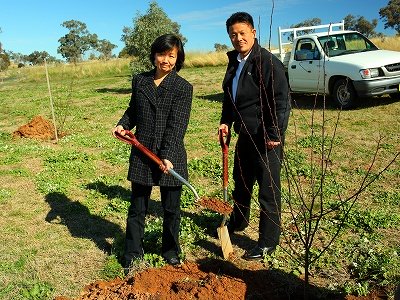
(63, 205)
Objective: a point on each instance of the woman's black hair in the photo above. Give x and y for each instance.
(239, 17)
(167, 42)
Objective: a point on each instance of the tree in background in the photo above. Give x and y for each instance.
(77, 41)
(146, 28)
(4, 59)
(305, 23)
(105, 48)
(390, 14)
(220, 48)
(361, 24)
(38, 57)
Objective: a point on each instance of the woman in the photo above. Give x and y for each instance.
(159, 111)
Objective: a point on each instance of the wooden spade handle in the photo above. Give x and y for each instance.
(224, 142)
(130, 138)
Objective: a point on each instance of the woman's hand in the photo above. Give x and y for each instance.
(166, 166)
(118, 129)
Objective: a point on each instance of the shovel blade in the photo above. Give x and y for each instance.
(225, 240)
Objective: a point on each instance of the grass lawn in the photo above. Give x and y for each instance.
(63, 205)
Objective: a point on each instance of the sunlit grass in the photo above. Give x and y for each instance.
(388, 43)
(205, 59)
(87, 170)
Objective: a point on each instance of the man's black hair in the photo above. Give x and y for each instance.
(239, 17)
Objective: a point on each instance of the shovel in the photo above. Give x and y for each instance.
(131, 139)
(222, 230)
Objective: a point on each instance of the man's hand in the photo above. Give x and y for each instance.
(224, 129)
(272, 144)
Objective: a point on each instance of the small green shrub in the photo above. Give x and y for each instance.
(37, 291)
(154, 260)
(112, 268)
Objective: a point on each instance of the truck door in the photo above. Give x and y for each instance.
(305, 72)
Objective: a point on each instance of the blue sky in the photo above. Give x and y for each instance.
(36, 25)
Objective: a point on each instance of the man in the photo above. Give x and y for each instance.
(257, 103)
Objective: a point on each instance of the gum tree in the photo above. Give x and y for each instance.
(390, 14)
(77, 41)
(146, 28)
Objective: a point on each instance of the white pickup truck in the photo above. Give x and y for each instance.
(343, 64)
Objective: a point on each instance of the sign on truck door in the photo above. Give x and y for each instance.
(305, 70)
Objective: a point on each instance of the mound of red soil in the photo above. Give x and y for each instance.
(38, 128)
(211, 279)
(216, 205)
(186, 281)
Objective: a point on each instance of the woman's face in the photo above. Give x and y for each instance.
(166, 61)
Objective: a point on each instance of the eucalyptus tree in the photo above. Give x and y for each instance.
(105, 47)
(390, 14)
(77, 41)
(361, 24)
(146, 28)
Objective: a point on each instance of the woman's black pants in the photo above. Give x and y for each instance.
(170, 200)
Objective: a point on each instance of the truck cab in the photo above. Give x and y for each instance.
(340, 63)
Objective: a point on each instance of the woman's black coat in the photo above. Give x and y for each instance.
(160, 116)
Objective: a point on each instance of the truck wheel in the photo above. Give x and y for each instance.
(344, 93)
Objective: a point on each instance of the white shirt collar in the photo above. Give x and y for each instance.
(244, 58)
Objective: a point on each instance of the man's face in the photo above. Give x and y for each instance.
(242, 36)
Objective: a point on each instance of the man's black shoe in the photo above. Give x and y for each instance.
(173, 261)
(258, 253)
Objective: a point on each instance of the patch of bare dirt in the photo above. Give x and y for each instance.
(186, 281)
(209, 279)
(37, 128)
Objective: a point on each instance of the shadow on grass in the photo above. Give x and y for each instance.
(115, 90)
(304, 101)
(270, 284)
(116, 191)
(80, 222)
(219, 97)
(210, 223)
(110, 191)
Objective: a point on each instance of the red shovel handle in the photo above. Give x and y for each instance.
(130, 138)
(224, 142)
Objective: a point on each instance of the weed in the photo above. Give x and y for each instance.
(359, 288)
(153, 234)
(190, 233)
(208, 167)
(370, 220)
(112, 268)
(37, 291)
(4, 194)
(115, 206)
(154, 260)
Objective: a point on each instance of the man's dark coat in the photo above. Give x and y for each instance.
(262, 87)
